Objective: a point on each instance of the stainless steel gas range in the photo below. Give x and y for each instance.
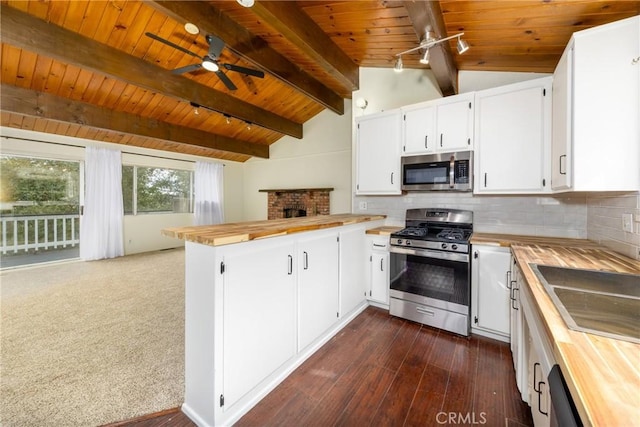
(430, 269)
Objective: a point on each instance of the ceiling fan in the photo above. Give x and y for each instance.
(210, 61)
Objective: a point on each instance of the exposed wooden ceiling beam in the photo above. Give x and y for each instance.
(253, 49)
(28, 32)
(298, 28)
(39, 104)
(425, 14)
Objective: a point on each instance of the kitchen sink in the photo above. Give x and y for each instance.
(598, 302)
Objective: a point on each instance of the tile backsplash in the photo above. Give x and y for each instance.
(596, 217)
(604, 222)
(558, 216)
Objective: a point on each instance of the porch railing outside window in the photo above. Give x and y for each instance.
(39, 232)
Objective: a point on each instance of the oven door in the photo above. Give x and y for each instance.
(430, 287)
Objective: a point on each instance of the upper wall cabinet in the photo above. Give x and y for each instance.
(513, 138)
(378, 139)
(596, 110)
(444, 124)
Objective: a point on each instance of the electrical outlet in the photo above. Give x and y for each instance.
(362, 206)
(627, 223)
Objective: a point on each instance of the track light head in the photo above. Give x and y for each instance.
(398, 65)
(425, 57)
(462, 46)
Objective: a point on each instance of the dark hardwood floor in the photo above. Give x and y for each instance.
(384, 371)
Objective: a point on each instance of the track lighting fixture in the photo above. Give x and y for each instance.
(227, 118)
(428, 42)
(248, 125)
(425, 57)
(462, 46)
(398, 65)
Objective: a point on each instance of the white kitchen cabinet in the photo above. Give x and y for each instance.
(596, 110)
(259, 315)
(318, 305)
(539, 397)
(519, 336)
(440, 125)
(353, 271)
(454, 122)
(378, 271)
(378, 139)
(490, 295)
(418, 128)
(513, 138)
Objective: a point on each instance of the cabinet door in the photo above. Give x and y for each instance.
(539, 397)
(513, 130)
(379, 291)
(352, 270)
(259, 316)
(454, 124)
(378, 153)
(561, 138)
(418, 130)
(489, 279)
(317, 287)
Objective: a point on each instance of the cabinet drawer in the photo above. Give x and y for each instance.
(426, 314)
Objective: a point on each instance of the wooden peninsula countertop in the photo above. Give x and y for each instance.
(603, 374)
(236, 232)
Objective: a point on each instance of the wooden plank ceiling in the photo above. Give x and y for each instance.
(86, 68)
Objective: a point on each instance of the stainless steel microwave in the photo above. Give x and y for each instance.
(440, 171)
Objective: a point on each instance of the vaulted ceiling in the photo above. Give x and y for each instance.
(87, 68)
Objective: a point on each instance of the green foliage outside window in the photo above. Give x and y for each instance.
(156, 190)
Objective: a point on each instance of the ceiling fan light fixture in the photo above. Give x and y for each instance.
(191, 28)
(210, 65)
(398, 65)
(462, 46)
(425, 57)
(246, 3)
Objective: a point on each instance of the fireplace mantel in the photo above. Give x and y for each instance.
(293, 190)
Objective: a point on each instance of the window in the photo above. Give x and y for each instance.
(152, 190)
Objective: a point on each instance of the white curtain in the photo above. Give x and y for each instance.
(101, 227)
(208, 193)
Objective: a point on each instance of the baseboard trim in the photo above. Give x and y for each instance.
(144, 417)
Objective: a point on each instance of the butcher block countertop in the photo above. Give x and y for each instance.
(236, 232)
(603, 374)
(384, 230)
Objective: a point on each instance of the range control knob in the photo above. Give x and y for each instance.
(399, 241)
(444, 246)
(454, 247)
(408, 243)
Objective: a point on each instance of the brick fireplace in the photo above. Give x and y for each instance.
(297, 202)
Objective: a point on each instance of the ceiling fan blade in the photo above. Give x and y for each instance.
(173, 45)
(186, 69)
(227, 82)
(215, 46)
(244, 70)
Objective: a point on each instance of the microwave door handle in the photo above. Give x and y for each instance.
(452, 165)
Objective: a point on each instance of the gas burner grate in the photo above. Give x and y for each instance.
(451, 234)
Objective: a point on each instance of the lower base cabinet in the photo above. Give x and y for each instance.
(491, 291)
(378, 271)
(256, 310)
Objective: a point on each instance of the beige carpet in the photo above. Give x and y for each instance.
(89, 343)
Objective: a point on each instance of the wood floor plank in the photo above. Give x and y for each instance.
(429, 399)
(488, 398)
(462, 378)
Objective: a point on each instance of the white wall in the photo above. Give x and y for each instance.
(321, 159)
(142, 233)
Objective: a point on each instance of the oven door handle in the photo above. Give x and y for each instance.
(427, 253)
